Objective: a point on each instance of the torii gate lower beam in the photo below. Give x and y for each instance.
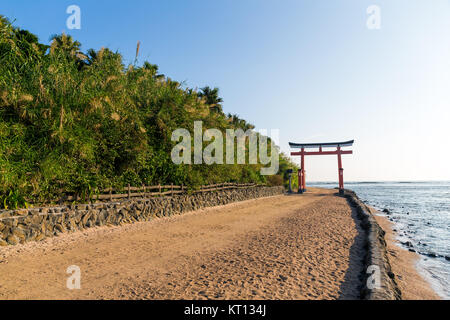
(303, 153)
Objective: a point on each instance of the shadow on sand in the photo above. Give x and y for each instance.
(353, 280)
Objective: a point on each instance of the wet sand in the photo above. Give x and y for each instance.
(284, 247)
(411, 283)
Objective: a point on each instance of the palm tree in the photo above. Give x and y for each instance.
(153, 69)
(211, 98)
(92, 56)
(239, 123)
(26, 37)
(21, 43)
(97, 56)
(72, 49)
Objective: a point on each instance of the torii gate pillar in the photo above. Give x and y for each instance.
(341, 172)
(301, 174)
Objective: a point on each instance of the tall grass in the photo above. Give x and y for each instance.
(75, 122)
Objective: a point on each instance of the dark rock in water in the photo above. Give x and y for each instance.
(412, 250)
(407, 213)
(408, 244)
(391, 275)
(385, 210)
(447, 258)
(395, 230)
(432, 255)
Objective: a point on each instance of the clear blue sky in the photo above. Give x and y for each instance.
(309, 68)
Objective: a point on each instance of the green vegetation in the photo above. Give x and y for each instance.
(79, 122)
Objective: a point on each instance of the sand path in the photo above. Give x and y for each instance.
(283, 247)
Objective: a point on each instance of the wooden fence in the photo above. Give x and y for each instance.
(159, 190)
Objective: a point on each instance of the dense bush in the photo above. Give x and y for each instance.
(76, 123)
(275, 180)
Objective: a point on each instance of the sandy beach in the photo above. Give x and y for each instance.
(306, 246)
(282, 247)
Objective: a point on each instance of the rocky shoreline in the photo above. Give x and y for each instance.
(413, 284)
(377, 254)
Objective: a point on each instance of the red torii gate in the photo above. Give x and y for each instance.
(303, 153)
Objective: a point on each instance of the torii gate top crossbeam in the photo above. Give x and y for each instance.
(324, 145)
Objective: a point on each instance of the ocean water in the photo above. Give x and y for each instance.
(420, 212)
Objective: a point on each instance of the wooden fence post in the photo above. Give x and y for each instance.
(171, 189)
(159, 185)
(129, 192)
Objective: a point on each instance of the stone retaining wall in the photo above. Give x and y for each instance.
(19, 226)
(376, 254)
